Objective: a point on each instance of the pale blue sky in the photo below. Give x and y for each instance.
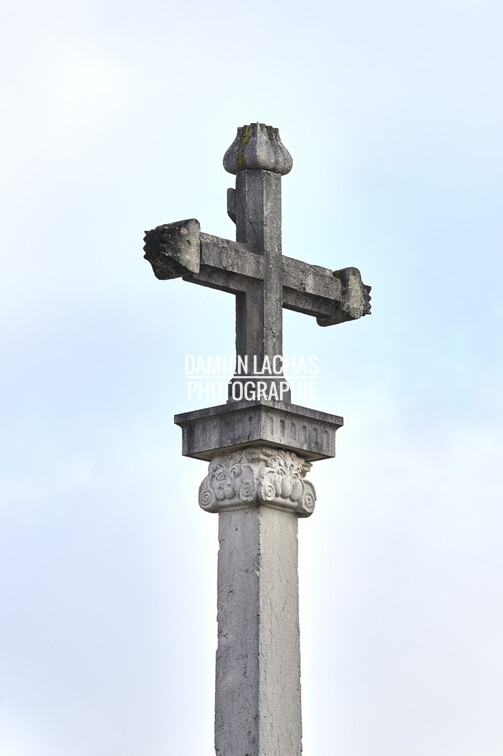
(115, 119)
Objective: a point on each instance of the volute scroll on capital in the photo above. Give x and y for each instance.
(258, 476)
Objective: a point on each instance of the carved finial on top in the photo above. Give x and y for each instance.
(258, 147)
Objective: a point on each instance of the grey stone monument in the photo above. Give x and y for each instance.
(259, 447)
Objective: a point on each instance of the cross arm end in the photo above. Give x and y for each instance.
(355, 298)
(174, 249)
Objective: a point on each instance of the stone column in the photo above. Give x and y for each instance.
(259, 445)
(258, 454)
(259, 493)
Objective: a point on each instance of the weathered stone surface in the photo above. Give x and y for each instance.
(260, 476)
(258, 147)
(174, 249)
(212, 431)
(354, 301)
(258, 696)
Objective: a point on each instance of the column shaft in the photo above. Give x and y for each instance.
(258, 702)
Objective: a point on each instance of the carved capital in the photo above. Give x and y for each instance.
(258, 476)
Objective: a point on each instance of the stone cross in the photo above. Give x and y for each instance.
(253, 267)
(259, 448)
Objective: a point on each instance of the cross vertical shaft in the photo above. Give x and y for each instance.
(259, 316)
(259, 159)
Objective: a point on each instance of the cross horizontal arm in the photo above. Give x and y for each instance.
(181, 250)
(331, 296)
(227, 265)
